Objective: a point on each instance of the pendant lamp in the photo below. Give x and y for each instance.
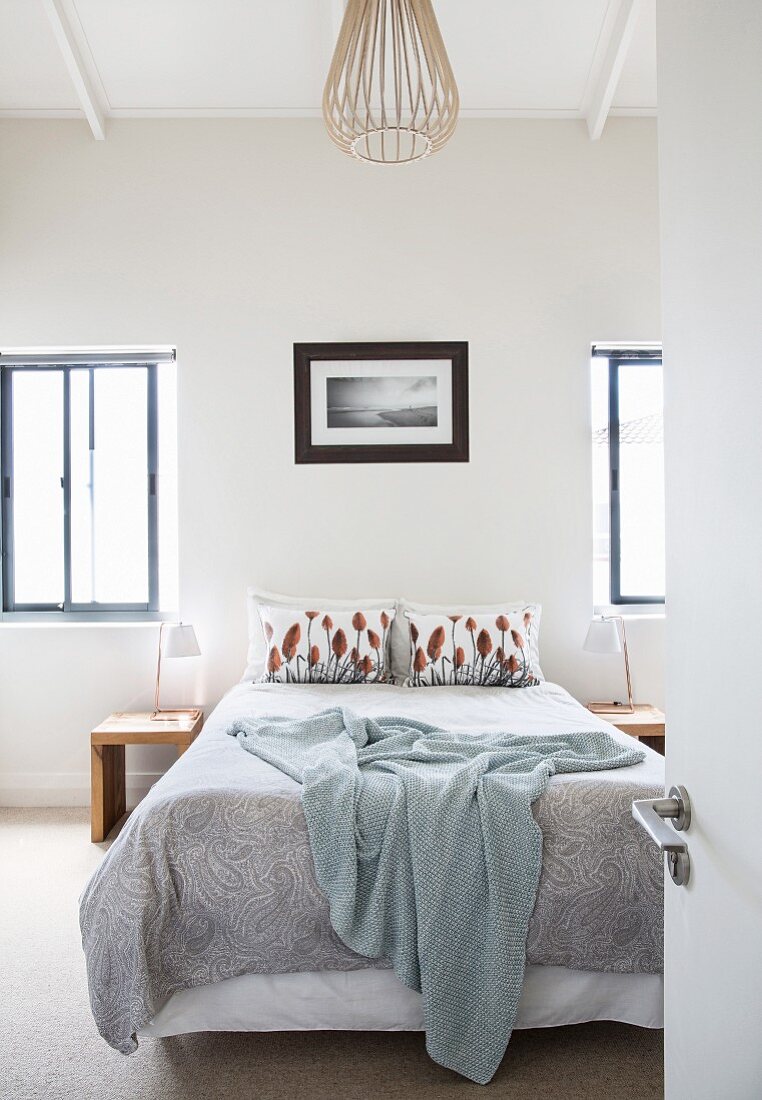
(390, 96)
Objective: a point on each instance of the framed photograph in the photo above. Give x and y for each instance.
(381, 402)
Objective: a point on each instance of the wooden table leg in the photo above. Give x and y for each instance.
(656, 742)
(108, 801)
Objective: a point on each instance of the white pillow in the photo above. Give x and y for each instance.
(401, 650)
(257, 597)
(324, 646)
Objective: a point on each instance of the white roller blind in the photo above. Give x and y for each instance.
(45, 357)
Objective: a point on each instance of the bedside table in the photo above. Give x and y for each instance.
(107, 774)
(646, 725)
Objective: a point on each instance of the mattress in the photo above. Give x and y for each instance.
(211, 880)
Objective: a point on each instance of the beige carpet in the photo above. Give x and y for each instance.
(49, 1046)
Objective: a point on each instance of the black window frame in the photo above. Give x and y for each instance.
(616, 360)
(68, 609)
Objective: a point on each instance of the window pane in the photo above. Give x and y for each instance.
(599, 380)
(82, 532)
(38, 524)
(109, 501)
(167, 399)
(641, 479)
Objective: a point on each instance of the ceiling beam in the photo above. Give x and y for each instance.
(89, 100)
(612, 50)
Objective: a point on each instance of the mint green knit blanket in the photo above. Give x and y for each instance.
(425, 845)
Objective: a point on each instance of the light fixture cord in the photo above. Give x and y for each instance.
(626, 662)
(158, 673)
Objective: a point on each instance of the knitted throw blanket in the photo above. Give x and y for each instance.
(425, 845)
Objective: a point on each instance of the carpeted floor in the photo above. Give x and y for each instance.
(49, 1046)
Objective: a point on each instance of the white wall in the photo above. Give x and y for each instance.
(233, 239)
(710, 152)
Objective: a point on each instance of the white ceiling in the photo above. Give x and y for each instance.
(187, 58)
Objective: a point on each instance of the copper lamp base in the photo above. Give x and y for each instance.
(611, 708)
(172, 715)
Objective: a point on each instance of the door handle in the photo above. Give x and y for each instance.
(653, 814)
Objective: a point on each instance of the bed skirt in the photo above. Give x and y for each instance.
(374, 1000)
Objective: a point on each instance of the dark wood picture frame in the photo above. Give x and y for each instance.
(307, 452)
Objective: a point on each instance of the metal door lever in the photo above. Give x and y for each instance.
(653, 814)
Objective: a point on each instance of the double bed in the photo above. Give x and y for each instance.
(206, 915)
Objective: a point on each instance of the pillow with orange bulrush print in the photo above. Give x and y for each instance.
(319, 646)
(485, 650)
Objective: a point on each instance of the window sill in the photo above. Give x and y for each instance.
(86, 618)
(632, 610)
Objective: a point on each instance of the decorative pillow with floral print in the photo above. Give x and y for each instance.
(326, 647)
(484, 650)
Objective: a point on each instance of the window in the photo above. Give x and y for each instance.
(628, 472)
(84, 437)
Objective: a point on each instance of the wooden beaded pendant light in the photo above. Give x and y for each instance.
(390, 96)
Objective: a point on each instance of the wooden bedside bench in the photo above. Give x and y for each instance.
(108, 800)
(647, 724)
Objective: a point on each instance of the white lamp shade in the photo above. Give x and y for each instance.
(180, 641)
(603, 637)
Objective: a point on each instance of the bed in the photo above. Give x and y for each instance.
(205, 914)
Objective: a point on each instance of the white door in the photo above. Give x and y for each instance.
(710, 156)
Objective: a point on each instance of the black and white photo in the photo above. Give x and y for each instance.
(377, 402)
(397, 402)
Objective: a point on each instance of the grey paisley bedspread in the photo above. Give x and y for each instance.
(212, 876)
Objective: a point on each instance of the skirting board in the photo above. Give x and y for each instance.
(64, 788)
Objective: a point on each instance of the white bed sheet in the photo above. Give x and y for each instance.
(544, 709)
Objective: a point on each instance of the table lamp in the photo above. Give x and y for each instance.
(607, 635)
(179, 640)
